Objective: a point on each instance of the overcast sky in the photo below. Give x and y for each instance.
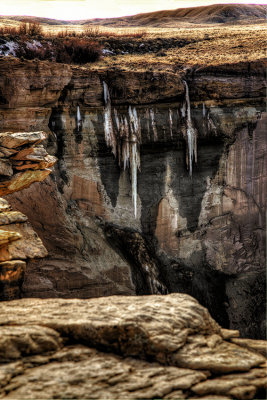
(84, 9)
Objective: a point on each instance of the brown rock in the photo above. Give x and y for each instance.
(260, 346)
(11, 217)
(31, 153)
(13, 140)
(11, 278)
(4, 205)
(38, 332)
(17, 341)
(233, 383)
(22, 180)
(7, 237)
(5, 153)
(29, 245)
(6, 168)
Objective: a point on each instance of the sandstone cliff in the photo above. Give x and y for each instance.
(147, 347)
(201, 234)
(23, 161)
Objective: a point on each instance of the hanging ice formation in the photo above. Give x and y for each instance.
(170, 120)
(203, 110)
(153, 123)
(124, 141)
(190, 132)
(78, 118)
(108, 125)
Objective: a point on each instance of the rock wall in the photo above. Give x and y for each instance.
(203, 235)
(23, 160)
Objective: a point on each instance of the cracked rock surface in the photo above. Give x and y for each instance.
(124, 347)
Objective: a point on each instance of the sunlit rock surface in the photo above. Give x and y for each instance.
(123, 347)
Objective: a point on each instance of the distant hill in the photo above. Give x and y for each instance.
(217, 13)
(39, 20)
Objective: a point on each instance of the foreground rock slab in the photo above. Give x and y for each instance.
(124, 347)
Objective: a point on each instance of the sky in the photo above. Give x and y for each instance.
(86, 9)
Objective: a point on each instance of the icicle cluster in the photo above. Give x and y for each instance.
(190, 131)
(78, 118)
(124, 140)
(108, 125)
(154, 126)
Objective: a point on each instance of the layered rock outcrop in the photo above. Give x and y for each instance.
(23, 161)
(125, 347)
(204, 234)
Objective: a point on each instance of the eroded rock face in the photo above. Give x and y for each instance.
(18, 242)
(132, 347)
(205, 234)
(23, 160)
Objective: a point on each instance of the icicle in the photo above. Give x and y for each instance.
(170, 120)
(134, 152)
(183, 110)
(78, 118)
(117, 119)
(153, 123)
(191, 133)
(203, 110)
(135, 122)
(129, 136)
(108, 125)
(135, 164)
(147, 124)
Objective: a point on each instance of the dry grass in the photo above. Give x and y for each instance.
(210, 44)
(213, 46)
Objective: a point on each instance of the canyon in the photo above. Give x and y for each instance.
(133, 180)
(200, 232)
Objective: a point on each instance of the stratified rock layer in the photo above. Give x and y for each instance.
(23, 160)
(18, 243)
(123, 347)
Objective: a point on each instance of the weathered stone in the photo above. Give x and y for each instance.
(6, 153)
(66, 349)
(175, 342)
(233, 384)
(29, 244)
(6, 168)
(7, 237)
(11, 279)
(223, 359)
(19, 341)
(4, 205)
(23, 180)
(229, 333)
(260, 346)
(31, 154)
(13, 140)
(11, 217)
